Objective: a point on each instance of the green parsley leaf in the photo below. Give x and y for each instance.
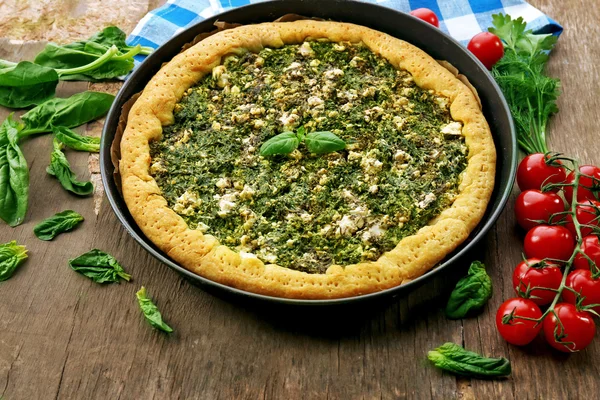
(11, 256)
(151, 312)
(99, 267)
(455, 359)
(471, 292)
(61, 222)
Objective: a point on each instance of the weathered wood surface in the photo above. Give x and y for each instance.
(65, 337)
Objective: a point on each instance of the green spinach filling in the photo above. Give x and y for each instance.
(401, 166)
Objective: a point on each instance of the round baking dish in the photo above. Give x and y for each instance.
(403, 26)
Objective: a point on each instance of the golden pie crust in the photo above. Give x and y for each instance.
(202, 253)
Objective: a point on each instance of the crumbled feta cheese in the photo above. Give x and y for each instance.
(202, 227)
(356, 61)
(314, 63)
(292, 66)
(157, 167)
(289, 119)
(402, 156)
(247, 192)
(349, 95)
(373, 113)
(305, 50)
(339, 47)
(373, 233)
(333, 73)
(216, 126)
(452, 129)
(371, 165)
(259, 62)
(258, 123)
(398, 122)
(346, 226)
(314, 101)
(219, 75)
(257, 110)
(373, 189)
(354, 155)
(186, 136)
(223, 183)
(226, 203)
(429, 198)
(306, 217)
(442, 102)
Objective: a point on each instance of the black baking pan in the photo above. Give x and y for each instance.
(403, 26)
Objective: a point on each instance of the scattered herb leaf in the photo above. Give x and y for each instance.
(11, 256)
(61, 169)
(323, 142)
(471, 292)
(99, 267)
(284, 143)
(453, 358)
(25, 84)
(14, 174)
(61, 222)
(151, 312)
(530, 93)
(75, 141)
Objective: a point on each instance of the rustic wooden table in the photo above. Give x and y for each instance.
(63, 336)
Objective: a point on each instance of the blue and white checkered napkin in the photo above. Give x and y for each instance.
(462, 19)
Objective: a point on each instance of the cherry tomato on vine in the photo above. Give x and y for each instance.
(535, 171)
(554, 242)
(589, 188)
(588, 213)
(426, 15)
(574, 333)
(590, 245)
(518, 331)
(533, 205)
(487, 47)
(532, 273)
(581, 281)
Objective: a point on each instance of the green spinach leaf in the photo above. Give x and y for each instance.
(99, 267)
(151, 312)
(11, 256)
(14, 174)
(61, 169)
(75, 141)
(323, 142)
(25, 84)
(284, 143)
(68, 112)
(453, 358)
(471, 292)
(61, 222)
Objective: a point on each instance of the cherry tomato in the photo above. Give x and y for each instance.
(590, 245)
(487, 47)
(534, 172)
(555, 242)
(518, 331)
(587, 214)
(531, 273)
(589, 188)
(533, 204)
(426, 15)
(581, 281)
(575, 333)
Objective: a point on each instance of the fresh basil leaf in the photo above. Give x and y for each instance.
(284, 143)
(59, 223)
(323, 142)
(99, 266)
(75, 141)
(453, 358)
(69, 112)
(11, 256)
(151, 312)
(26, 84)
(471, 293)
(61, 169)
(14, 174)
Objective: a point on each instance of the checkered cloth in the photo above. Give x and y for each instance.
(462, 19)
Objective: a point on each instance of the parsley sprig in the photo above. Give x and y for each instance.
(530, 93)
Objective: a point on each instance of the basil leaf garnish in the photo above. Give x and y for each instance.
(75, 141)
(284, 143)
(99, 267)
(471, 292)
(61, 169)
(151, 312)
(61, 222)
(14, 174)
(323, 142)
(11, 256)
(453, 358)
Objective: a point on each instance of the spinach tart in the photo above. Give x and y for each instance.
(412, 181)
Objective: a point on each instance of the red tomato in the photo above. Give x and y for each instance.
(590, 245)
(531, 273)
(487, 47)
(581, 281)
(554, 242)
(533, 204)
(534, 172)
(589, 188)
(587, 214)
(575, 333)
(426, 15)
(518, 331)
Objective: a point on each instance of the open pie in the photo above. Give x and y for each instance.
(412, 182)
